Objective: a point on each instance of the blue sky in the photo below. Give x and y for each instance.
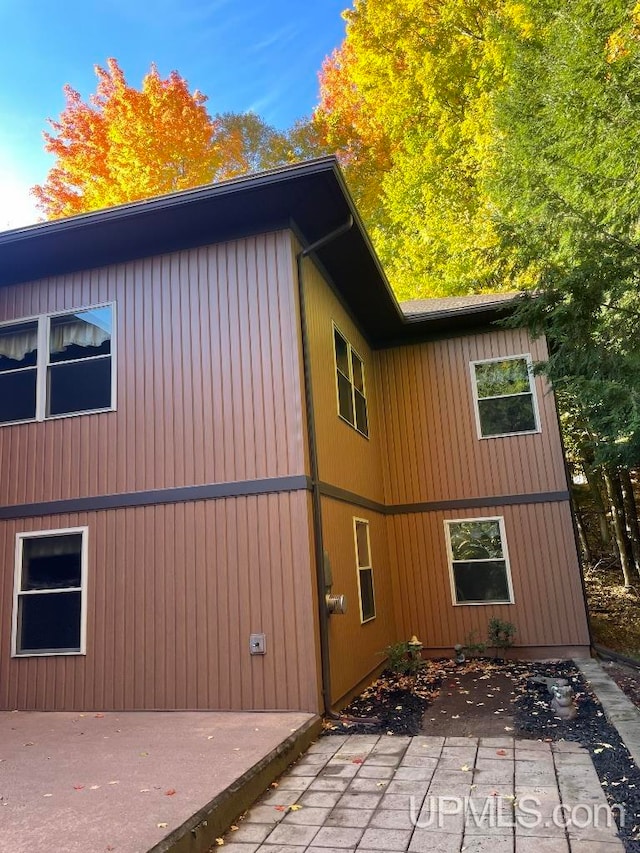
(260, 55)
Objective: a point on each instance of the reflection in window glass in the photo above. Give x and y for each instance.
(504, 397)
(79, 373)
(70, 374)
(479, 568)
(18, 371)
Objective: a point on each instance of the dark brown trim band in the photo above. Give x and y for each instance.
(338, 494)
(271, 485)
(329, 491)
(154, 497)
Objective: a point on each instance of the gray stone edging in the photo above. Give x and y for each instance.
(618, 709)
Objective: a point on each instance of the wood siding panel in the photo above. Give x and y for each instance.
(549, 604)
(345, 457)
(173, 593)
(356, 649)
(208, 368)
(433, 451)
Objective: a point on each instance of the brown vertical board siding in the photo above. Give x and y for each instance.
(433, 450)
(345, 457)
(173, 593)
(208, 370)
(356, 648)
(549, 605)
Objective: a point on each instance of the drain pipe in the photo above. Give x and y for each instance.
(313, 462)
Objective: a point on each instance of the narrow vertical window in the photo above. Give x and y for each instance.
(504, 396)
(18, 371)
(478, 561)
(49, 600)
(365, 570)
(352, 398)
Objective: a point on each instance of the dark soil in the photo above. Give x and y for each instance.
(397, 705)
(477, 703)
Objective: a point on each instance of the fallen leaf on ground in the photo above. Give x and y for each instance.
(295, 807)
(78, 787)
(161, 825)
(170, 792)
(501, 751)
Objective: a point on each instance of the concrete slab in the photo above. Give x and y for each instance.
(136, 781)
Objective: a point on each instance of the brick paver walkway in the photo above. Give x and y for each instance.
(432, 795)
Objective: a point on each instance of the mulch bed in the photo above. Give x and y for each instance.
(397, 705)
(626, 677)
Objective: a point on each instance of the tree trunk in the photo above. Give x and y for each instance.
(612, 485)
(582, 536)
(631, 517)
(596, 488)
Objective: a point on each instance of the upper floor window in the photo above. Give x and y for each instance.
(352, 395)
(50, 592)
(504, 396)
(57, 364)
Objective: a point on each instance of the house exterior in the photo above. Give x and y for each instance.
(213, 413)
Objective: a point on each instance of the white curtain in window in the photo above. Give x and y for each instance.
(79, 333)
(18, 344)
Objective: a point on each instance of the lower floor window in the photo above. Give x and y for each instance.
(50, 591)
(478, 561)
(365, 570)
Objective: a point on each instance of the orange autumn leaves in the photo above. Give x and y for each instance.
(127, 144)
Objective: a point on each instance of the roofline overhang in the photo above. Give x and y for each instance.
(310, 198)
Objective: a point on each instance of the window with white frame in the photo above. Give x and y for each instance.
(352, 396)
(366, 592)
(478, 561)
(504, 396)
(57, 364)
(50, 592)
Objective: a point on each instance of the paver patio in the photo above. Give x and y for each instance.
(436, 794)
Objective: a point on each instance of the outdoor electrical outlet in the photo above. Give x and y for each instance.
(258, 644)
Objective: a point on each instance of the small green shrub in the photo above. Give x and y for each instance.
(501, 633)
(473, 645)
(402, 660)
